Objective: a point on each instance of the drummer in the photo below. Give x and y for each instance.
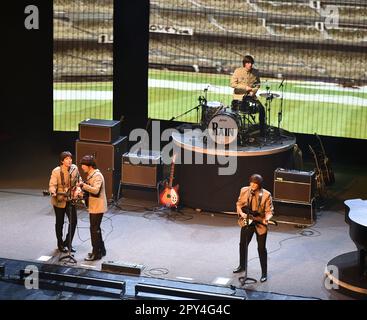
(246, 82)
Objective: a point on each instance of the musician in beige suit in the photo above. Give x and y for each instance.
(62, 185)
(97, 205)
(259, 201)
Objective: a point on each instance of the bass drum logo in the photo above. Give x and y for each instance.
(223, 128)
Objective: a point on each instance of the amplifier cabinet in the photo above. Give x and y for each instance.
(108, 159)
(294, 185)
(99, 130)
(142, 169)
(294, 213)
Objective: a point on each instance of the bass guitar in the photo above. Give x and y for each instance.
(169, 196)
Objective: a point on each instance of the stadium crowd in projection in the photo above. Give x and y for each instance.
(82, 61)
(319, 48)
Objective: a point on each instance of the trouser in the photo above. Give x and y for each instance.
(70, 212)
(96, 233)
(246, 236)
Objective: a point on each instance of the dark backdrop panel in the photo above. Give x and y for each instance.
(131, 40)
(201, 187)
(26, 72)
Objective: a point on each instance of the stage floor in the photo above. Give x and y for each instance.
(188, 246)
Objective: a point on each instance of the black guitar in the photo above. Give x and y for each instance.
(253, 217)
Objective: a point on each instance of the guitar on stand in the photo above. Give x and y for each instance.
(169, 196)
(325, 164)
(320, 183)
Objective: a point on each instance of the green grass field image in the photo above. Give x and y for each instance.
(308, 107)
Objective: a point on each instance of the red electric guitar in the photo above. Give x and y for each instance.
(169, 196)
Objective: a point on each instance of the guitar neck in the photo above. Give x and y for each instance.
(172, 172)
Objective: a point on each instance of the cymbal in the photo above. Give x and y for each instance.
(269, 95)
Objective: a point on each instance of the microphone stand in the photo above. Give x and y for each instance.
(245, 279)
(69, 202)
(201, 100)
(280, 113)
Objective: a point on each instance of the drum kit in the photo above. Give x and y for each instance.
(226, 124)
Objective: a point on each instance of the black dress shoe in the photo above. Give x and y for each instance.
(71, 250)
(263, 278)
(62, 249)
(67, 247)
(103, 253)
(239, 269)
(93, 257)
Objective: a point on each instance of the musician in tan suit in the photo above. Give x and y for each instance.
(245, 82)
(62, 185)
(259, 201)
(97, 205)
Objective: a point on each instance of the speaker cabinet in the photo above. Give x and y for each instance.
(294, 185)
(144, 169)
(108, 158)
(99, 130)
(294, 213)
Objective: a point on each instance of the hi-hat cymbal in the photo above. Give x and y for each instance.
(269, 95)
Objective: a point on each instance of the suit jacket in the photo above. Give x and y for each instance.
(242, 78)
(56, 185)
(265, 208)
(95, 185)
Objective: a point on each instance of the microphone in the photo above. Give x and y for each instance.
(281, 84)
(267, 85)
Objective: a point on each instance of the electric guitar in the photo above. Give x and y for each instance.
(253, 217)
(75, 194)
(326, 170)
(169, 196)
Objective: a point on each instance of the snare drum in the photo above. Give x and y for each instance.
(210, 109)
(248, 105)
(224, 127)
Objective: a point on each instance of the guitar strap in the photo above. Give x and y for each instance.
(62, 179)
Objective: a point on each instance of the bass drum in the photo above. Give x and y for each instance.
(210, 109)
(225, 127)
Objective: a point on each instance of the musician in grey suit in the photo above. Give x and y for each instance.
(258, 200)
(97, 205)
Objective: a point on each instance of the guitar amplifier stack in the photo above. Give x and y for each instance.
(294, 196)
(101, 139)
